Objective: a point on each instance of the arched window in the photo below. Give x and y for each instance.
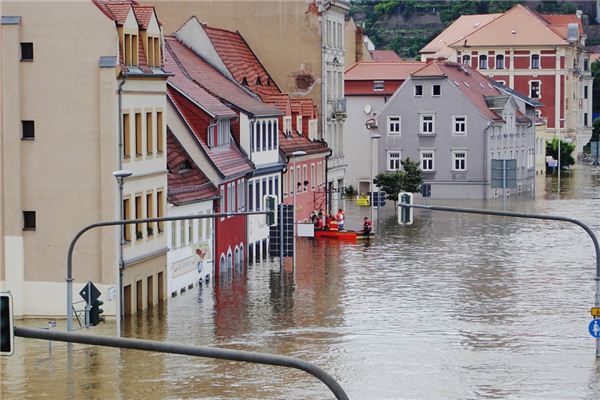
(499, 61)
(483, 61)
(229, 260)
(222, 265)
(535, 61)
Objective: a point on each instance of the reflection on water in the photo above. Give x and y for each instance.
(453, 307)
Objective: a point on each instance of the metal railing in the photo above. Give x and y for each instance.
(175, 348)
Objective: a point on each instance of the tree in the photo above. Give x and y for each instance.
(596, 86)
(566, 149)
(408, 180)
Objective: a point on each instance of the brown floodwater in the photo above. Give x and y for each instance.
(452, 307)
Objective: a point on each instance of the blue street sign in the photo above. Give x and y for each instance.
(594, 328)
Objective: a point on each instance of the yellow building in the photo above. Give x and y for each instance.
(83, 95)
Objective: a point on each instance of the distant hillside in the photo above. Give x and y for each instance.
(407, 25)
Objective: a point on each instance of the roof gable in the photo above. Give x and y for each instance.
(518, 26)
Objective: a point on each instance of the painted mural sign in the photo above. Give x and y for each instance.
(184, 266)
(201, 251)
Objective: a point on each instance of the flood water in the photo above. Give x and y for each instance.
(452, 307)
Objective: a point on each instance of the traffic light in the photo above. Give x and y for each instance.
(7, 345)
(405, 216)
(270, 204)
(95, 313)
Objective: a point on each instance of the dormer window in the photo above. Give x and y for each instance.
(153, 50)
(219, 133)
(258, 82)
(185, 166)
(130, 53)
(245, 81)
(299, 124)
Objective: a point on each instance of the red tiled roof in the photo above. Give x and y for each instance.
(297, 142)
(181, 80)
(240, 60)
(143, 15)
(384, 55)
(212, 80)
(471, 83)
(559, 23)
(370, 70)
(279, 100)
(309, 108)
(228, 160)
(185, 186)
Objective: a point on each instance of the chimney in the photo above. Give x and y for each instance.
(579, 13)
(359, 43)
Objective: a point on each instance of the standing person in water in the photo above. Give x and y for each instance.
(339, 217)
(367, 226)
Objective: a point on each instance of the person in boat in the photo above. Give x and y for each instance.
(339, 217)
(367, 226)
(314, 217)
(332, 224)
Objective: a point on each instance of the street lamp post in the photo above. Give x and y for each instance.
(121, 175)
(374, 137)
(295, 154)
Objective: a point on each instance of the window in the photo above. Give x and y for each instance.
(27, 51)
(270, 136)
(298, 177)
(257, 141)
(182, 238)
(160, 209)
(535, 61)
(131, 49)
(535, 89)
(585, 119)
(223, 132)
(499, 61)
(418, 90)
(28, 128)
(459, 125)
(304, 177)
(427, 124)
(138, 215)
(29, 221)
(378, 86)
(251, 196)
(153, 51)
(257, 203)
(291, 173)
(298, 127)
(436, 90)
(270, 191)
(585, 92)
(276, 186)
(138, 134)
(149, 134)
(483, 61)
(160, 137)
(275, 130)
(264, 135)
(241, 196)
(313, 176)
(150, 212)
(126, 216)
(126, 137)
(427, 160)
(190, 225)
(173, 234)
(459, 160)
(393, 161)
(466, 59)
(393, 125)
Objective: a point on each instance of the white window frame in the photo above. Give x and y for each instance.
(539, 61)
(415, 91)
(539, 89)
(421, 159)
(455, 158)
(378, 86)
(496, 61)
(468, 58)
(394, 131)
(395, 160)
(433, 90)
(480, 58)
(422, 122)
(456, 132)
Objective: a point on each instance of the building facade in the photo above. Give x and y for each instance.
(541, 56)
(102, 111)
(368, 86)
(457, 123)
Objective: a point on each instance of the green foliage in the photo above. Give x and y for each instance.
(596, 86)
(408, 180)
(408, 42)
(566, 149)
(349, 191)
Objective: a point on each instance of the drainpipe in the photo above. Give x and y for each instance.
(122, 233)
(485, 160)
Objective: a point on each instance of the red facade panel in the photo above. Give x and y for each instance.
(547, 91)
(229, 232)
(548, 62)
(309, 199)
(521, 62)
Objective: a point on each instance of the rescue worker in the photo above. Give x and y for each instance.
(367, 227)
(332, 224)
